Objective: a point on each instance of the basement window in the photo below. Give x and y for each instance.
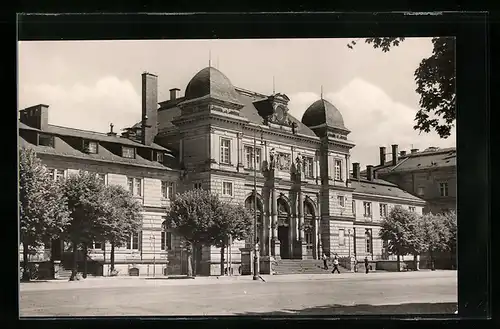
(46, 140)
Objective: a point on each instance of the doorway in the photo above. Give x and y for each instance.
(283, 236)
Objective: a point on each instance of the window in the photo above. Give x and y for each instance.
(249, 157)
(341, 200)
(159, 157)
(354, 207)
(412, 209)
(341, 237)
(134, 186)
(309, 240)
(227, 188)
(46, 140)
(166, 238)
(383, 210)
(59, 175)
(368, 241)
(420, 191)
(133, 242)
(101, 178)
(368, 209)
(308, 167)
(338, 170)
(98, 245)
(128, 152)
(90, 147)
(167, 190)
(197, 185)
(225, 151)
(443, 189)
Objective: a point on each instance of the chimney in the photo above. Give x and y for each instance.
(111, 132)
(375, 174)
(355, 170)
(35, 116)
(369, 172)
(394, 154)
(149, 108)
(414, 151)
(402, 153)
(382, 155)
(173, 93)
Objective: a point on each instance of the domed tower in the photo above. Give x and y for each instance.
(325, 119)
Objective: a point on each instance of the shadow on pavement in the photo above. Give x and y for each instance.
(34, 281)
(171, 278)
(336, 309)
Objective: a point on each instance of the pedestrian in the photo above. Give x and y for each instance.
(366, 265)
(325, 264)
(335, 264)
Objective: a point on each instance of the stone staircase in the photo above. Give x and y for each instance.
(64, 274)
(303, 266)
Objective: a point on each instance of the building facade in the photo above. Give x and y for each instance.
(247, 148)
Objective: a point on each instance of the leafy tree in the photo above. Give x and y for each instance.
(123, 218)
(398, 229)
(435, 233)
(88, 208)
(450, 220)
(192, 215)
(42, 207)
(235, 222)
(435, 78)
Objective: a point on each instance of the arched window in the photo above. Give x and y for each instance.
(166, 237)
(309, 225)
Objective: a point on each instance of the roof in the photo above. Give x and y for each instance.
(430, 158)
(64, 149)
(26, 127)
(211, 82)
(323, 112)
(101, 137)
(379, 187)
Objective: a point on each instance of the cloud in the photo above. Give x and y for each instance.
(374, 120)
(91, 107)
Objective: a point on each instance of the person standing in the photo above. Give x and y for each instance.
(366, 265)
(325, 264)
(335, 264)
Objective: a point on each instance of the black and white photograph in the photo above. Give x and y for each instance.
(211, 177)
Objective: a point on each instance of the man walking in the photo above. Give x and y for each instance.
(335, 264)
(325, 264)
(366, 265)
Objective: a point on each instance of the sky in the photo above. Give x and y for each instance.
(90, 84)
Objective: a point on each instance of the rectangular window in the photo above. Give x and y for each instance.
(368, 209)
(90, 147)
(341, 237)
(197, 186)
(166, 240)
(368, 241)
(133, 241)
(46, 140)
(101, 178)
(167, 190)
(52, 173)
(98, 245)
(412, 209)
(443, 189)
(250, 157)
(130, 184)
(227, 188)
(383, 210)
(225, 151)
(341, 200)
(420, 191)
(134, 186)
(59, 175)
(128, 152)
(309, 240)
(159, 157)
(354, 207)
(308, 167)
(338, 170)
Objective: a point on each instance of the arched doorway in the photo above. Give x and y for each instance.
(309, 228)
(250, 205)
(284, 228)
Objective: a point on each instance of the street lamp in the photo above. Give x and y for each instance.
(255, 239)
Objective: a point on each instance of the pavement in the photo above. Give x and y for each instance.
(420, 292)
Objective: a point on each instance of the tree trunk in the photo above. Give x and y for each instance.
(85, 253)
(415, 261)
(433, 267)
(399, 263)
(112, 257)
(189, 251)
(222, 260)
(26, 274)
(75, 262)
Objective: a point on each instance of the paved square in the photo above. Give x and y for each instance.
(374, 293)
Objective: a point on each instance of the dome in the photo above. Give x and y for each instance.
(213, 82)
(323, 112)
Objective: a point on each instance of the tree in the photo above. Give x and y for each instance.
(191, 215)
(88, 208)
(123, 218)
(234, 222)
(435, 233)
(398, 229)
(450, 220)
(435, 78)
(42, 207)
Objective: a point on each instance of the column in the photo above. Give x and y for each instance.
(275, 244)
(240, 152)
(302, 241)
(181, 150)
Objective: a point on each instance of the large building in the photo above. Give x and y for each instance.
(308, 202)
(430, 174)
